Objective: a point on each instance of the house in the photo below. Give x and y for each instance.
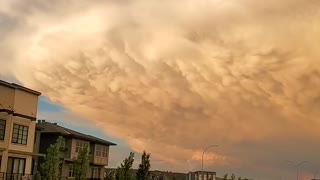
(73, 142)
(197, 175)
(18, 110)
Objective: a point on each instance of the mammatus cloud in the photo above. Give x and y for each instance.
(174, 77)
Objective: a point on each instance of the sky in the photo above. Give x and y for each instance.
(172, 77)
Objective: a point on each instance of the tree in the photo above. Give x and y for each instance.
(233, 177)
(225, 177)
(81, 164)
(239, 178)
(123, 172)
(143, 171)
(50, 167)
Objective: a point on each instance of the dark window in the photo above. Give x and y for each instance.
(16, 165)
(95, 172)
(71, 174)
(2, 129)
(19, 134)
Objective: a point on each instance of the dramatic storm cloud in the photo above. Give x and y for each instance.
(172, 77)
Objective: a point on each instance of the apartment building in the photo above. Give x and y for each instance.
(73, 142)
(199, 175)
(18, 110)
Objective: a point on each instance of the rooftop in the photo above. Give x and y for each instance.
(16, 86)
(48, 127)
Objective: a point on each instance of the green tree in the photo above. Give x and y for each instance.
(81, 164)
(50, 167)
(233, 177)
(123, 172)
(225, 177)
(143, 171)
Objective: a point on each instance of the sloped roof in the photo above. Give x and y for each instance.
(56, 129)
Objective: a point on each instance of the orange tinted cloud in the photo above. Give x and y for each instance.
(174, 77)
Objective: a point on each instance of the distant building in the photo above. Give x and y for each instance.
(18, 110)
(167, 175)
(197, 175)
(73, 142)
(154, 174)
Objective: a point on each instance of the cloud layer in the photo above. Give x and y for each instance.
(176, 76)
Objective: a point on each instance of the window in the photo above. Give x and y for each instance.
(101, 151)
(98, 150)
(71, 174)
(95, 172)
(80, 145)
(2, 129)
(20, 134)
(104, 151)
(16, 165)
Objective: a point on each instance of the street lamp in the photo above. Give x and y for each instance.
(202, 158)
(315, 174)
(297, 166)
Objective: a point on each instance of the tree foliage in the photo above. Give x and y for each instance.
(233, 177)
(81, 164)
(50, 167)
(123, 172)
(225, 177)
(143, 171)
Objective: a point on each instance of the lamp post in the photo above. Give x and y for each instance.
(315, 174)
(297, 166)
(202, 158)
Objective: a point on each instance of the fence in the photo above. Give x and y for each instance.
(17, 176)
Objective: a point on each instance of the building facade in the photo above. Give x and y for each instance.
(198, 175)
(18, 110)
(73, 143)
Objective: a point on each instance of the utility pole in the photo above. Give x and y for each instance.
(297, 166)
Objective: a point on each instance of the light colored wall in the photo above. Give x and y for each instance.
(5, 143)
(25, 103)
(7, 96)
(31, 132)
(37, 143)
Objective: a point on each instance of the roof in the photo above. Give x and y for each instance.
(56, 129)
(16, 86)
